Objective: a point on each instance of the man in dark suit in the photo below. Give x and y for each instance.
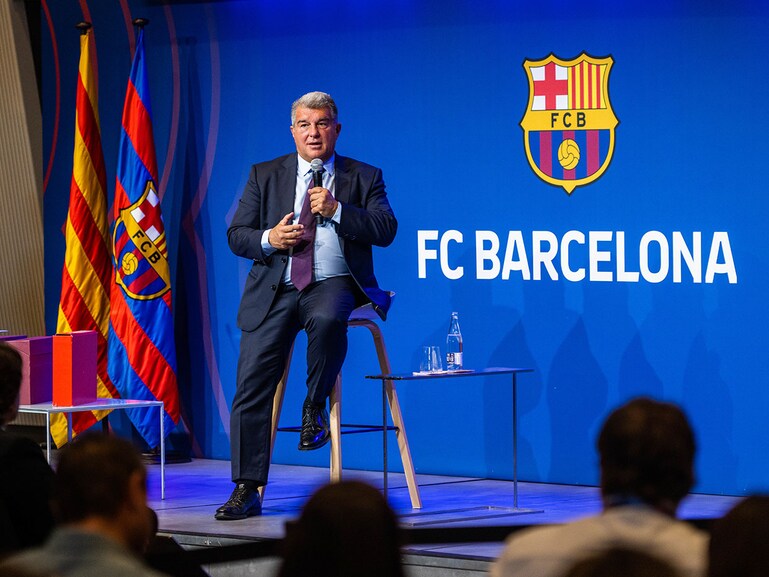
(311, 245)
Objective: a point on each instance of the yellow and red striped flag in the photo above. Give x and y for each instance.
(87, 272)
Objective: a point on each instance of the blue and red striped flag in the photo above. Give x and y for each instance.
(85, 282)
(142, 352)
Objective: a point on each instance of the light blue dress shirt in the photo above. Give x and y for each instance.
(328, 259)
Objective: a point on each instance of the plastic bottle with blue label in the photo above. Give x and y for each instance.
(454, 345)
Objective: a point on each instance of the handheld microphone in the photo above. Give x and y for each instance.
(317, 180)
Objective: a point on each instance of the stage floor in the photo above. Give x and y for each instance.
(194, 490)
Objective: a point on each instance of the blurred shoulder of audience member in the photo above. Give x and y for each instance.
(739, 541)
(618, 561)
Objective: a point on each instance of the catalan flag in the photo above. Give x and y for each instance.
(558, 87)
(142, 353)
(85, 283)
(586, 81)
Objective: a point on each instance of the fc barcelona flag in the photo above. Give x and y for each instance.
(569, 123)
(87, 271)
(142, 353)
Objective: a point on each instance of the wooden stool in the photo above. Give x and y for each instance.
(361, 317)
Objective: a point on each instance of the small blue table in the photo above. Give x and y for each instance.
(48, 409)
(422, 376)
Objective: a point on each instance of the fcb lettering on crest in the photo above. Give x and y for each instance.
(139, 242)
(569, 124)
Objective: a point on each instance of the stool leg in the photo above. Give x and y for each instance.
(403, 445)
(277, 406)
(335, 424)
(395, 411)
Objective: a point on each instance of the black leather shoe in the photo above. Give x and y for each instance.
(315, 432)
(244, 502)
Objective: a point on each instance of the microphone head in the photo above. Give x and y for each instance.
(316, 165)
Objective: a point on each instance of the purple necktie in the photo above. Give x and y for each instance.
(302, 257)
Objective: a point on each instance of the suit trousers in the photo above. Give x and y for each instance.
(322, 309)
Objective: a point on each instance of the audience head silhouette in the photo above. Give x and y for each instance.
(346, 529)
(646, 450)
(101, 484)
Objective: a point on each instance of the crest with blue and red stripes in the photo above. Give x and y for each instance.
(139, 242)
(569, 123)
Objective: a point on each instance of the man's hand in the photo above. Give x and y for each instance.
(321, 201)
(284, 235)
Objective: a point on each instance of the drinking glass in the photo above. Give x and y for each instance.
(431, 360)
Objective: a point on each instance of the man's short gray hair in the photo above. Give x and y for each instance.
(315, 101)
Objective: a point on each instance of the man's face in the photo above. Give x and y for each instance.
(315, 133)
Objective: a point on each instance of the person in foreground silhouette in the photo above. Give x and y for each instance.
(100, 503)
(346, 529)
(25, 477)
(646, 451)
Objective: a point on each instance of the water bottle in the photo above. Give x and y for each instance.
(454, 345)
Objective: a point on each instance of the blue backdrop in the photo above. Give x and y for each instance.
(671, 238)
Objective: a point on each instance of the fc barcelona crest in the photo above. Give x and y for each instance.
(568, 127)
(139, 246)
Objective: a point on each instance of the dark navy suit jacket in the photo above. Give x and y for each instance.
(367, 220)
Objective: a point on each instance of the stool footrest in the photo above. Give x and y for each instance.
(357, 429)
(366, 429)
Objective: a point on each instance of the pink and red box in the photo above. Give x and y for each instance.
(60, 369)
